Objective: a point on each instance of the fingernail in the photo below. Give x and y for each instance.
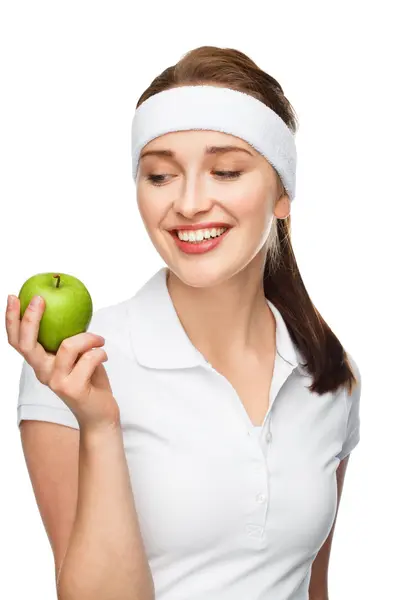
(35, 301)
(10, 301)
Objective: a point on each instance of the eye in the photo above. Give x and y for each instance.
(228, 174)
(155, 179)
(159, 179)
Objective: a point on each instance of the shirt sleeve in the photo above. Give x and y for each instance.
(353, 414)
(37, 402)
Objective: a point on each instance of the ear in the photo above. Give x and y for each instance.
(282, 207)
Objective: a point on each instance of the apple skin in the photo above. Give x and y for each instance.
(68, 306)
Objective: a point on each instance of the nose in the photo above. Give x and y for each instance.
(192, 198)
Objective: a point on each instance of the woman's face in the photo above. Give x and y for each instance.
(185, 187)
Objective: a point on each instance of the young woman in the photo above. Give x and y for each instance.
(205, 460)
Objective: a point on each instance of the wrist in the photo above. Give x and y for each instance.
(100, 429)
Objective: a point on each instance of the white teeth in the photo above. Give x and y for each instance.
(200, 234)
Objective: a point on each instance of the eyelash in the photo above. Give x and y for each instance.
(225, 175)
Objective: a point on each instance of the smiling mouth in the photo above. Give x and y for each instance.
(174, 233)
(189, 230)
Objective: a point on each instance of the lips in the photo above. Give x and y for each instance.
(199, 247)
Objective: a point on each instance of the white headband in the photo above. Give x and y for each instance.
(222, 109)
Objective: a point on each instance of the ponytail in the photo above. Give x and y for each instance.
(324, 356)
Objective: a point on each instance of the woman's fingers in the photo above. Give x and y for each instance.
(30, 323)
(22, 335)
(75, 373)
(12, 321)
(74, 384)
(71, 349)
(80, 380)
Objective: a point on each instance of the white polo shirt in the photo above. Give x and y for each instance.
(227, 511)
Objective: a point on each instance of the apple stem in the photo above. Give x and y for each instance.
(58, 280)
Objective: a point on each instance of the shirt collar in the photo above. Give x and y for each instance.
(159, 340)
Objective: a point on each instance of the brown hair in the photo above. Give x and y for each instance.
(326, 359)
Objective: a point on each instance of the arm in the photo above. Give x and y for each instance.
(318, 589)
(54, 478)
(89, 507)
(105, 558)
(85, 502)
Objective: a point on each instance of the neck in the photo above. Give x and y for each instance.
(229, 321)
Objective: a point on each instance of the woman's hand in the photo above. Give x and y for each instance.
(75, 373)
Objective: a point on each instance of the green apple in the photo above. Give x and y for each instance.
(68, 307)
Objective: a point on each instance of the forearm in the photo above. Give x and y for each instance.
(105, 559)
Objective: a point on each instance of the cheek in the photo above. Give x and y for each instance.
(149, 209)
(253, 208)
(252, 201)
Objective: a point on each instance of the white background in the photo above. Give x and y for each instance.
(71, 75)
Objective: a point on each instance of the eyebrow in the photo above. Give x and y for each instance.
(208, 150)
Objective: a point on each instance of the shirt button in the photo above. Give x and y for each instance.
(261, 498)
(269, 436)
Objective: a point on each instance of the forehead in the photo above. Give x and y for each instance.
(195, 143)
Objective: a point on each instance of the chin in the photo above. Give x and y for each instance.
(201, 276)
